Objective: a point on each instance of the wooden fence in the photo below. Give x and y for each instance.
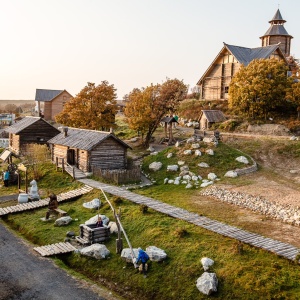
(119, 176)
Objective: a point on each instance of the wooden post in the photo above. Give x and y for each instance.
(19, 181)
(73, 172)
(26, 187)
(166, 130)
(63, 165)
(119, 240)
(56, 162)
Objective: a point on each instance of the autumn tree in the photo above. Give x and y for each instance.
(147, 106)
(93, 108)
(259, 88)
(11, 108)
(293, 95)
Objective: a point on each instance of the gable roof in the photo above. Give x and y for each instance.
(245, 55)
(47, 95)
(213, 115)
(24, 123)
(168, 120)
(83, 139)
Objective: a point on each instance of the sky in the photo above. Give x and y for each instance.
(63, 44)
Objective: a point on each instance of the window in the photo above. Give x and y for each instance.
(226, 89)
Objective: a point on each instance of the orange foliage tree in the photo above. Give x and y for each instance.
(147, 106)
(93, 108)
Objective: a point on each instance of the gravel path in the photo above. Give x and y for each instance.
(24, 275)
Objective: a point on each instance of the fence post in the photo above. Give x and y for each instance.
(63, 165)
(56, 162)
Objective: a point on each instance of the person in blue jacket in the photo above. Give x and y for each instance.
(6, 178)
(143, 257)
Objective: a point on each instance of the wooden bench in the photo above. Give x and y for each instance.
(60, 212)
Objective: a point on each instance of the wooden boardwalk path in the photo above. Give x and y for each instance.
(54, 249)
(282, 249)
(44, 202)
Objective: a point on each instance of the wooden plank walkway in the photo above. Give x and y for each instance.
(54, 249)
(282, 249)
(44, 202)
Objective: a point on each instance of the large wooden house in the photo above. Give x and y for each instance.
(53, 102)
(89, 149)
(276, 43)
(29, 130)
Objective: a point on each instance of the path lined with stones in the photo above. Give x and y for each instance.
(282, 249)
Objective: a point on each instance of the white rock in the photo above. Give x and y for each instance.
(154, 153)
(198, 153)
(63, 221)
(195, 146)
(207, 283)
(155, 166)
(188, 186)
(93, 204)
(242, 159)
(293, 138)
(203, 165)
(206, 263)
(151, 149)
(93, 220)
(187, 152)
(172, 168)
(181, 163)
(99, 251)
(113, 228)
(205, 184)
(170, 181)
(184, 168)
(190, 140)
(126, 254)
(166, 180)
(177, 144)
(208, 139)
(195, 178)
(135, 139)
(210, 151)
(231, 174)
(211, 176)
(178, 178)
(199, 177)
(169, 155)
(186, 177)
(156, 254)
(176, 182)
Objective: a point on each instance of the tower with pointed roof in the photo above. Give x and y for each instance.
(277, 34)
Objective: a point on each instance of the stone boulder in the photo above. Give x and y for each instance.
(242, 159)
(113, 228)
(156, 254)
(93, 220)
(151, 149)
(210, 152)
(172, 168)
(212, 176)
(198, 153)
(155, 166)
(206, 263)
(203, 165)
(187, 152)
(206, 183)
(63, 221)
(181, 163)
(98, 251)
(93, 204)
(207, 283)
(196, 146)
(177, 144)
(169, 155)
(231, 174)
(126, 254)
(208, 139)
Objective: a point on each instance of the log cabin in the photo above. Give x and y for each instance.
(53, 102)
(275, 43)
(29, 130)
(209, 117)
(88, 149)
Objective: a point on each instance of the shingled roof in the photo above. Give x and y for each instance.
(47, 95)
(83, 139)
(24, 123)
(213, 116)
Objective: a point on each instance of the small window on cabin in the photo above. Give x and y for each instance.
(226, 89)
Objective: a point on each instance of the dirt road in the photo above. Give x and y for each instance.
(25, 275)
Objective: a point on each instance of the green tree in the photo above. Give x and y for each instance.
(146, 107)
(93, 108)
(259, 88)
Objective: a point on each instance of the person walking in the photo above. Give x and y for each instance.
(6, 178)
(143, 257)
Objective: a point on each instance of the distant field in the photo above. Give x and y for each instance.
(16, 102)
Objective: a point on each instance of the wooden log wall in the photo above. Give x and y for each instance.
(94, 234)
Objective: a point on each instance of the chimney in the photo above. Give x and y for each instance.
(64, 129)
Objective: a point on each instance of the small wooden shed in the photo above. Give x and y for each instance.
(88, 149)
(168, 124)
(29, 130)
(209, 117)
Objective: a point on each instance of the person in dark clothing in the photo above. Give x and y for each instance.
(143, 257)
(6, 178)
(99, 222)
(52, 205)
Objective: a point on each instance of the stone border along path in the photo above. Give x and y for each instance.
(44, 202)
(282, 249)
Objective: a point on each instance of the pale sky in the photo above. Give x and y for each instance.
(63, 44)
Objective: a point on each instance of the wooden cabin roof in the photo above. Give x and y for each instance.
(168, 120)
(44, 95)
(245, 55)
(213, 115)
(83, 139)
(24, 123)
